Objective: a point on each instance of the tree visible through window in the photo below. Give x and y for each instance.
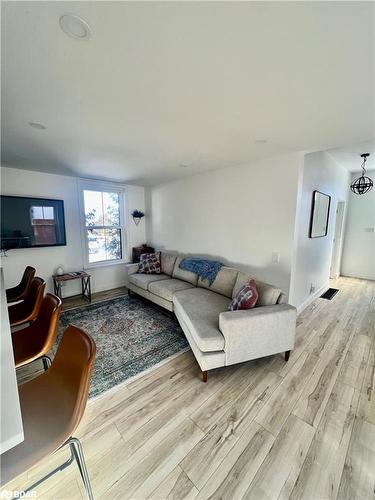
(102, 225)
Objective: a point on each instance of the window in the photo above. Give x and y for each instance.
(103, 227)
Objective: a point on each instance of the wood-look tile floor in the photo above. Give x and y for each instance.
(259, 430)
(78, 301)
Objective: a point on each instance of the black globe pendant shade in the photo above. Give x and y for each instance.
(363, 184)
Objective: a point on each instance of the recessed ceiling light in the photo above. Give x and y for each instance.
(261, 141)
(75, 26)
(37, 125)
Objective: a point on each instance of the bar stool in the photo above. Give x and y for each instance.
(35, 341)
(20, 291)
(49, 427)
(27, 310)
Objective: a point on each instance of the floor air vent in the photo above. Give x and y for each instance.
(329, 294)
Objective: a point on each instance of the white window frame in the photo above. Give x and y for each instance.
(108, 187)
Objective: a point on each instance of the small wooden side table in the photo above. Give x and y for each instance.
(58, 279)
(138, 251)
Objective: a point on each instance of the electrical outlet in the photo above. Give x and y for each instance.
(275, 257)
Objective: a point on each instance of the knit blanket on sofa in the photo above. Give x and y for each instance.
(206, 269)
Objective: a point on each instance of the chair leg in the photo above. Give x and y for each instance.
(77, 451)
(46, 362)
(205, 376)
(50, 474)
(287, 354)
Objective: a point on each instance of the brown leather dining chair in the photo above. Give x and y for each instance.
(20, 291)
(35, 341)
(27, 310)
(47, 428)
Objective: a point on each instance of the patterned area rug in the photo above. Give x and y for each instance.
(131, 335)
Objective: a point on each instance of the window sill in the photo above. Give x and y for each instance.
(105, 264)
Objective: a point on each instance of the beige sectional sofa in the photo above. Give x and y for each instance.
(218, 337)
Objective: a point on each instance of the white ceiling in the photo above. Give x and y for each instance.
(350, 156)
(197, 83)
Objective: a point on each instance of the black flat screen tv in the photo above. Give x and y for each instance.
(31, 222)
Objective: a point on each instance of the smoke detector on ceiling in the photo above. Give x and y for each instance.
(75, 27)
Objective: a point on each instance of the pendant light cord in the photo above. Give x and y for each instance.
(363, 166)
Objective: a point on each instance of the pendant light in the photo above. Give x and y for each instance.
(363, 184)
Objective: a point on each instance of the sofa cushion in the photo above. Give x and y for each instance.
(167, 262)
(166, 288)
(180, 274)
(224, 281)
(143, 280)
(268, 295)
(200, 308)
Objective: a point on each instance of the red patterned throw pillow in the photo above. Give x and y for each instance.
(246, 297)
(150, 263)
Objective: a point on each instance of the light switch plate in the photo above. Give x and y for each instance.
(275, 257)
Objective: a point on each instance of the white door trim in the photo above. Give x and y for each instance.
(337, 241)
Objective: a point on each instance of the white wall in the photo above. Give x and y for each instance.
(45, 260)
(358, 258)
(239, 215)
(312, 256)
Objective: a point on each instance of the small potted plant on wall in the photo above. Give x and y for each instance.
(137, 216)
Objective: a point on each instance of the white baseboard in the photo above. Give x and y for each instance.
(312, 297)
(103, 288)
(363, 277)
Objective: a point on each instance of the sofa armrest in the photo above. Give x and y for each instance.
(258, 332)
(130, 269)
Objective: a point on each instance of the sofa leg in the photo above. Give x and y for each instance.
(287, 354)
(205, 376)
